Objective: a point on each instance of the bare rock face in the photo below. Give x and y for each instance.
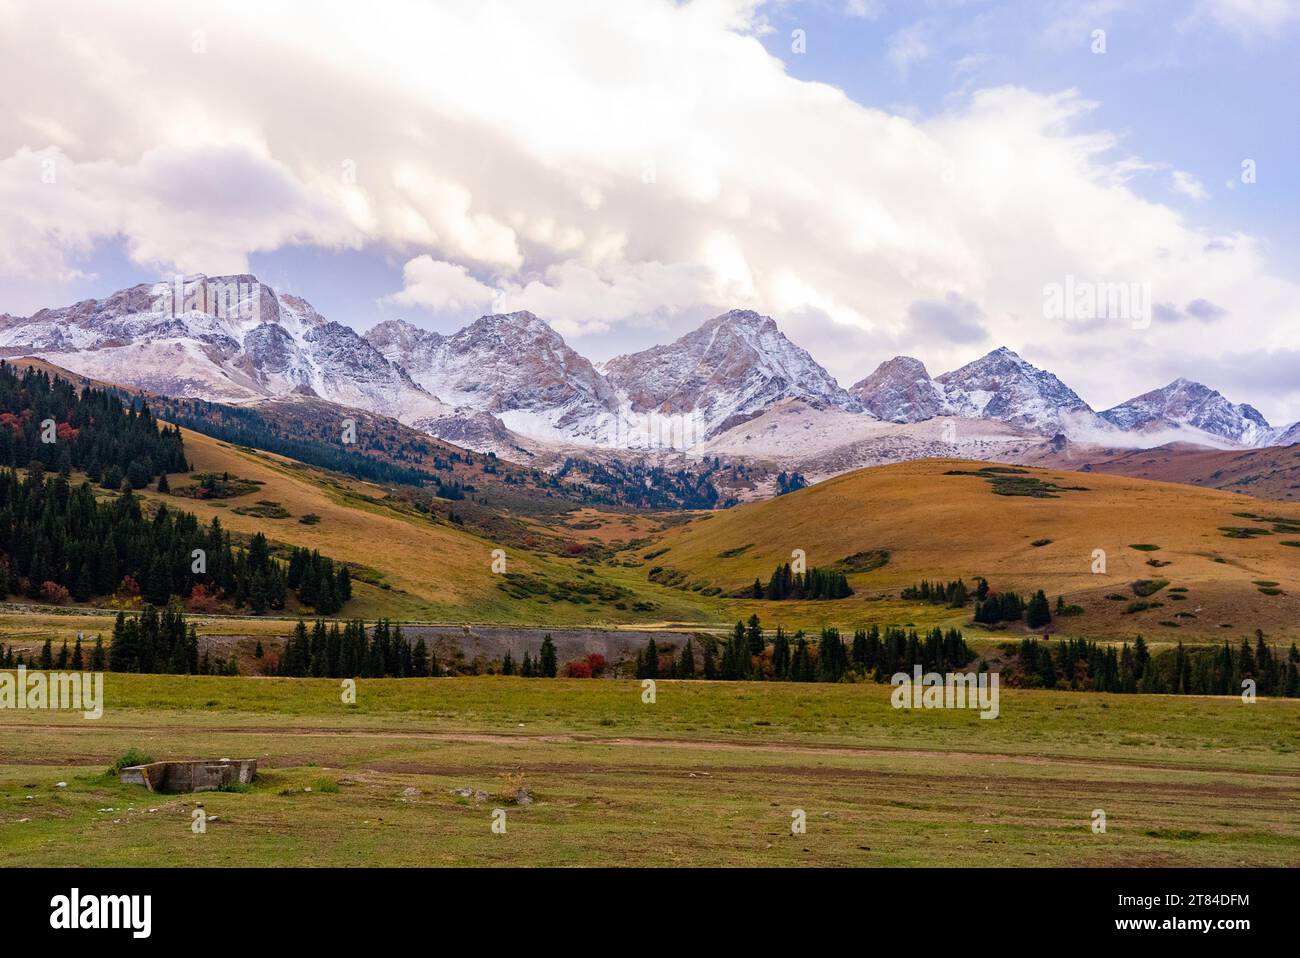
(731, 368)
(901, 390)
(512, 365)
(1184, 403)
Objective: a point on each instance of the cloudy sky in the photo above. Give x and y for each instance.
(881, 176)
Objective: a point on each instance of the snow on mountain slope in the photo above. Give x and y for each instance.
(826, 441)
(507, 377)
(726, 371)
(1002, 386)
(224, 338)
(1285, 435)
(1184, 404)
(514, 366)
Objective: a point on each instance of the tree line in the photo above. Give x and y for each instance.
(382, 651)
(747, 654)
(249, 427)
(91, 430)
(156, 641)
(1080, 664)
(58, 544)
(813, 584)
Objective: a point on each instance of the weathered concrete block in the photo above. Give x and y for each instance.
(199, 776)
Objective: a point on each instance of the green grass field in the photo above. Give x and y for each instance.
(707, 775)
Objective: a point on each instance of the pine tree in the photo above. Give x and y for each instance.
(650, 661)
(781, 655)
(686, 664)
(1038, 613)
(710, 664)
(549, 666)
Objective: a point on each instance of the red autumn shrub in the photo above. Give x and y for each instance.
(591, 667)
(577, 669)
(201, 600)
(55, 594)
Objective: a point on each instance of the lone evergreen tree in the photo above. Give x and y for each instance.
(549, 667)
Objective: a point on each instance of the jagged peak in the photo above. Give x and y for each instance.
(520, 320)
(907, 365)
(747, 319)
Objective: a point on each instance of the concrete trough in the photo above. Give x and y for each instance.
(199, 776)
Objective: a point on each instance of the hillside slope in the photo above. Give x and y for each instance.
(408, 564)
(938, 525)
(1272, 472)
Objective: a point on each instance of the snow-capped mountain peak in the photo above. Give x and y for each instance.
(1002, 385)
(722, 373)
(513, 365)
(235, 339)
(223, 338)
(1186, 404)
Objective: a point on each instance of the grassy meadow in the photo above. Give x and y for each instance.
(709, 774)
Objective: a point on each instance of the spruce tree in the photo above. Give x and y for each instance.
(686, 664)
(549, 666)
(650, 661)
(781, 655)
(1038, 613)
(710, 664)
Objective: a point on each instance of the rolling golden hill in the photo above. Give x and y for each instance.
(1225, 557)
(407, 564)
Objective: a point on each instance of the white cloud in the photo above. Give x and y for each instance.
(197, 207)
(907, 46)
(864, 9)
(1249, 18)
(1189, 185)
(438, 285)
(597, 164)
